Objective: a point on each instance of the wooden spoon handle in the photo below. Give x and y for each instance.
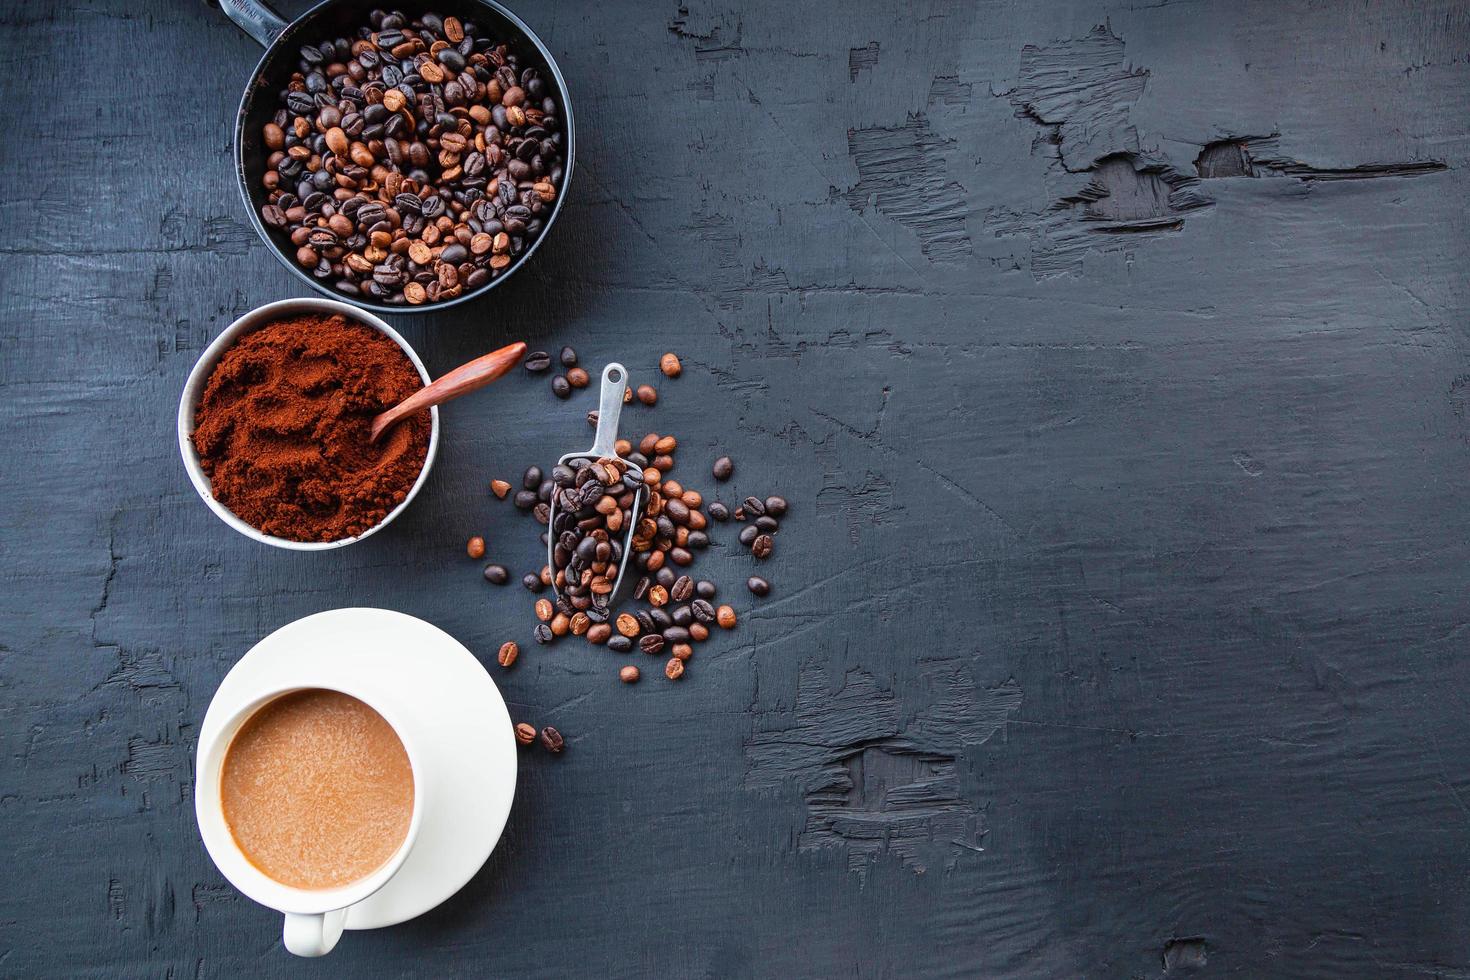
(462, 380)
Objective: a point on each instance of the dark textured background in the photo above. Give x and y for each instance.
(1119, 625)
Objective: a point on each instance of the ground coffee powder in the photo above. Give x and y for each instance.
(282, 428)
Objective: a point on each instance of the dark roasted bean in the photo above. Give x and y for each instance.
(543, 633)
(531, 479)
(653, 643)
(762, 546)
(551, 739)
(723, 468)
(537, 361)
(683, 589)
(532, 582)
(525, 499)
(698, 540)
(705, 589)
(776, 506)
(748, 534)
(758, 585)
(496, 574)
(718, 511)
(568, 357)
(754, 506)
(560, 387)
(767, 523)
(702, 610)
(619, 643)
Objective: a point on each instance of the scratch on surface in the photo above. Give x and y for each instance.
(902, 174)
(1261, 156)
(861, 59)
(874, 784)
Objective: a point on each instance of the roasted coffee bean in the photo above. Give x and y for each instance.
(619, 643)
(674, 669)
(748, 534)
(666, 577)
(776, 506)
(652, 643)
(508, 653)
(476, 547)
(723, 469)
(628, 675)
(532, 582)
(676, 634)
(424, 117)
(762, 546)
(647, 394)
(551, 739)
(681, 651)
(718, 511)
(525, 734)
(680, 557)
(767, 523)
(578, 377)
(560, 387)
(599, 633)
(725, 616)
(669, 365)
(531, 479)
(758, 585)
(537, 361)
(496, 574)
(568, 357)
(683, 589)
(525, 499)
(542, 633)
(682, 616)
(660, 618)
(705, 589)
(703, 610)
(544, 609)
(697, 540)
(754, 506)
(627, 625)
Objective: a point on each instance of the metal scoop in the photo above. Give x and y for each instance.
(609, 409)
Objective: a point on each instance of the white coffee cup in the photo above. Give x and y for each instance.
(314, 917)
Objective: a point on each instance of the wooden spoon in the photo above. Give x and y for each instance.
(462, 380)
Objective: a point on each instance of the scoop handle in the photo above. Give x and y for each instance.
(462, 380)
(609, 409)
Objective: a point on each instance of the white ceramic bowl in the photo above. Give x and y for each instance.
(200, 376)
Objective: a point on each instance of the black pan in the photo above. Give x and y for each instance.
(341, 18)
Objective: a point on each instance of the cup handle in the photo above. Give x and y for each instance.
(315, 934)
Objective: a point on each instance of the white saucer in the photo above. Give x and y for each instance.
(439, 690)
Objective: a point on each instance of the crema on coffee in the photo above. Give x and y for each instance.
(317, 789)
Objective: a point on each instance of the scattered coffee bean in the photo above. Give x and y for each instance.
(629, 674)
(578, 377)
(705, 589)
(754, 506)
(531, 479)
(762, 546)
(718, 511)
(560, 387)
(683, 589)
(544, 610)
(411, 160)
(652, 643)
(776, 506)
(748, 534)
(568, 357)
(537, 361)
(723, 469)
(500, 488)
(725, 616)
(669, 365)
(599, 633)
(551, 739)
(702, 610)
(758, 585)
(525, 734)
(525, 499)
(647, 394)
(627, 624)
(508, 653)
(674, 669)
(496, 574)
(699, 632)
(619, 644)
(767, 523)
(476, 547)
(532, 582)
(681, 651)
(542, 633)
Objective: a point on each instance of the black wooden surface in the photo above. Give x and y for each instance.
(1114, 358)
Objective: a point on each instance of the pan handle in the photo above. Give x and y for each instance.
(254, 18)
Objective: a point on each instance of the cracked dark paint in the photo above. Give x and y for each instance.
(1113, 359)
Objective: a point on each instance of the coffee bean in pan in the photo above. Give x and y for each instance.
(432, 163)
